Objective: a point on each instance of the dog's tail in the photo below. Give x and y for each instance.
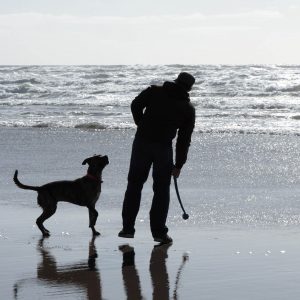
(23, 186)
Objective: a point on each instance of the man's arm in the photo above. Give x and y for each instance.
(138, 105)
(184, 140)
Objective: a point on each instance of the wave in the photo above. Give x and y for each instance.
(295, 88)
(20, 90)
(15, 68)
(260, 106)
(54, 125)
(212, 106)
(26, 89)
(41, 125)
(55, 103)
(289, 66)
(96, 82)
(288, 89)
(247, 131)
(99, 92)
(245, 116)
(224, 115)
(99, 97)
(296, 117)
(267, 106)
(96, 76)
(100, 126)
(21, 81)
(258, 95)
(91, 125)
(218, 83)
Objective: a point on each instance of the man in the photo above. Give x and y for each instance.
(159, 113)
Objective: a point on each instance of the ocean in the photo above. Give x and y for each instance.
(232, 99)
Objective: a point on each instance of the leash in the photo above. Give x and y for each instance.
(185, 216)
(185, 258)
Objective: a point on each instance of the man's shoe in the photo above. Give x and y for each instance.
(165, 239)
(126, 234)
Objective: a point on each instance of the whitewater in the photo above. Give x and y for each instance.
(232, 99)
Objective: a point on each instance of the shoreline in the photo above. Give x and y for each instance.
(98, 127)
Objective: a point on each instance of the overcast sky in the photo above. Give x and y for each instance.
(149, 32)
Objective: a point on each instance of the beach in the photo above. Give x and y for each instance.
(240, 242)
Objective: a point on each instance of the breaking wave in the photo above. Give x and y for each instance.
(92, 125)
(297, 117)
(242, 99)
(268, 106)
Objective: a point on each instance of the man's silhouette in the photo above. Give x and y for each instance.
(160, 112)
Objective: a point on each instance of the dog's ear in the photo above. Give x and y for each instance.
(86, 161)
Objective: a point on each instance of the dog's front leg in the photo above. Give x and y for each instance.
(93, 214)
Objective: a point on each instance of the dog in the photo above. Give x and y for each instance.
(84, 191)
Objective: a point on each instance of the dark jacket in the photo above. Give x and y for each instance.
(159, 111)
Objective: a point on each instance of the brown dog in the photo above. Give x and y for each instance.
(83, 191)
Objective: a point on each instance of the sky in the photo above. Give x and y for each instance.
(149, 32)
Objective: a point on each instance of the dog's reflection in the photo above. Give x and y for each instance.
(83, 274)
(157, 269)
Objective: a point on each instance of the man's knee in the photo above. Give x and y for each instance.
(137, 180)
(161, 186)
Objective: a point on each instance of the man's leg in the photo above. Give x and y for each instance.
(140, 165)
(162, 170)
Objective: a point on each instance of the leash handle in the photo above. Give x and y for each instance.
(177, 193)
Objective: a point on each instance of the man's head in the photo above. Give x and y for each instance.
(185, 80)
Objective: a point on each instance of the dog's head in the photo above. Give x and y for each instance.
(97, 162)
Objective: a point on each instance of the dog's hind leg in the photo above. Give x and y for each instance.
(93, 214)
(47, 213)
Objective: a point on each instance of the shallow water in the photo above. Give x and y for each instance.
(248, 180)
(241, 241)
(207, 263)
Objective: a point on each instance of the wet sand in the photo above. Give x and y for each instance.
(241, 241)
(210, 263)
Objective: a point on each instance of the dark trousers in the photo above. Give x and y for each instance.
(144, 155)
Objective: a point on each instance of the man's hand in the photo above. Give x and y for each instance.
(176, 172)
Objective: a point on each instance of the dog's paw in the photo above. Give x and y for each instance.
(95, 232)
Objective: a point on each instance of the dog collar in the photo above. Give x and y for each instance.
(94, 177)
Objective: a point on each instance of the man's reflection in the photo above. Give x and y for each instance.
(130, 274)
(158, 272)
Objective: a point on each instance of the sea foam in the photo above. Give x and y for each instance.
(245, 99)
